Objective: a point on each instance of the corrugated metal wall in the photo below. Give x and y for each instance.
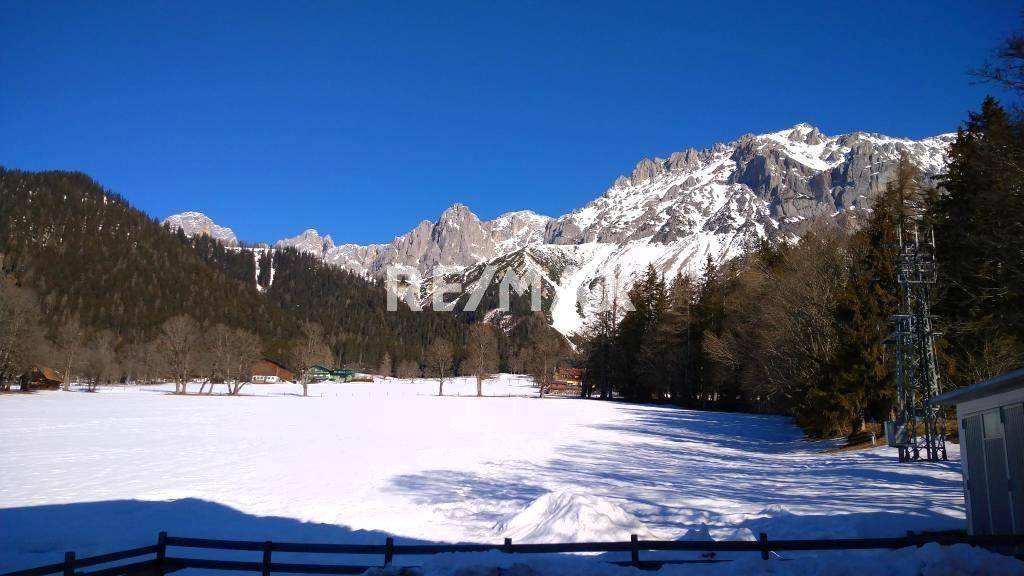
(993, 452)
(1014, 433)
(974, 473)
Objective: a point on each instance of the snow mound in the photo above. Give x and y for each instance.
(776, 510)
(565, 516)
(698, 534)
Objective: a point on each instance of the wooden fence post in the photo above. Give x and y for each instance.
(69, 564)
(389, 551)
(763, 539)
(161, 552)
(266, 557)
(634, 549)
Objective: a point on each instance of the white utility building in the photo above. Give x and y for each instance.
(991, 417)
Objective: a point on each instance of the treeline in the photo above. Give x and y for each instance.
(799, 328)
(211, 356)
(87, 254)
(361, 332)
(92, 265)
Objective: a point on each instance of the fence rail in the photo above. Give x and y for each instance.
(161, 563)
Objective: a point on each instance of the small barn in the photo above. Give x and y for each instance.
(991, 417)
(41, 378)
(267, 371)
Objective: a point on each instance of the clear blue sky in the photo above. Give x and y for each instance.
(362, 118)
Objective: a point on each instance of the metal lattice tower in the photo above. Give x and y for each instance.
(919, 431)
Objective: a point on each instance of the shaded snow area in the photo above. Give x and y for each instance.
(355, 462)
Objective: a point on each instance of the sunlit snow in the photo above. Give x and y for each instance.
(97, 472)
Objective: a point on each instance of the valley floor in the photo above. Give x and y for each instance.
(104, 471)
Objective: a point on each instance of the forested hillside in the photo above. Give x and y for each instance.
(799, 328)
(87, 253)
(353, 310)
(92, 261)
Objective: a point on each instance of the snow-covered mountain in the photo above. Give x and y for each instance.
(672, 213)
(456, 240)
(197, 223)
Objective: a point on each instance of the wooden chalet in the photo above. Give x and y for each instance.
(566, 381)
(267, 371)
(41, 378)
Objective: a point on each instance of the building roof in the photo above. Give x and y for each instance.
(1002, 383)
(49, 373)
(268, 367)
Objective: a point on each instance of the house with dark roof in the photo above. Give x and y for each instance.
(41, 378)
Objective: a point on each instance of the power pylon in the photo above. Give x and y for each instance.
(919, 430)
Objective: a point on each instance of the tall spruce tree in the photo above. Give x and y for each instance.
(862, 383)
(980, 236)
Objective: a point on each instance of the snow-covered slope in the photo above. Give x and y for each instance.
(715, 203)
(672, 213)
(755, 185)
(356, 462)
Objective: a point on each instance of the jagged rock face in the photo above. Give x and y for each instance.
(804, 174)
(309, 241)
(456, 240)
(775, 181)
(669, 213)
(197, 223)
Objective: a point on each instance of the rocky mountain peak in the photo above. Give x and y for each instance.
(671, 213)
(456, 212)
(647, 169)
(197, 223)
(308, 240)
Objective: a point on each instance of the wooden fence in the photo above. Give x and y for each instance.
(159, 562)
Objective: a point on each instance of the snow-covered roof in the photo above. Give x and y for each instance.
(1003, 383)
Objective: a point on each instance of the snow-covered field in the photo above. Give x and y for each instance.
(100, 472)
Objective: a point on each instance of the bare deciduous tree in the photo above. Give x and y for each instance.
(232, 352)
(246, 350)
(385, 366)
(407, 369)
(1008, 67)
(310, 350)
(481, 354)
(19, 332)
(135, 358)
(217, 349)
(100, 361)
(782, 334)
(543, 359)
(178, 344)
(438, 360)
(70, 344)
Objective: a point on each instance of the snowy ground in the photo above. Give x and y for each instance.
(99, 472)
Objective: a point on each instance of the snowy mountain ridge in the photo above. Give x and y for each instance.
(197, 223)
(673, 213)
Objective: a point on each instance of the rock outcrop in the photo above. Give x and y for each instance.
(671, 213)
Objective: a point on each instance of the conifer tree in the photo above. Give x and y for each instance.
(979, 226)
(862, 371)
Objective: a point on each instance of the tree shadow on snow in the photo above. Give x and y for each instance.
(37, 535)
(675, 469)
